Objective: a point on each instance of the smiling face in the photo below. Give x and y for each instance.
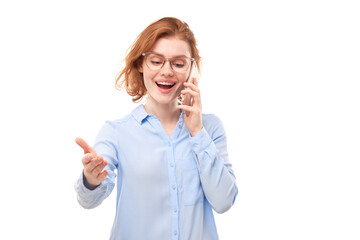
(164, 85)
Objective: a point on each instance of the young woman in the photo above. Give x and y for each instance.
(170, 158)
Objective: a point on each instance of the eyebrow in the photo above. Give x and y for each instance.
(178, 56)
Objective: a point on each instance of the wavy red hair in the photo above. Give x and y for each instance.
(130, 78)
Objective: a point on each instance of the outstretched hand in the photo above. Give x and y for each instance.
(93, 164)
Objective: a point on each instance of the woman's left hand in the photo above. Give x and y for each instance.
(193, 111)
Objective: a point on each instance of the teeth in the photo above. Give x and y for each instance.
(165, 83)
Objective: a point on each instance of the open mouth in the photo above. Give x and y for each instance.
(165, 85)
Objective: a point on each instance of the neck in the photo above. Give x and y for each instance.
(166, 113)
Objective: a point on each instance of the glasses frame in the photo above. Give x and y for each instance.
(167, 60)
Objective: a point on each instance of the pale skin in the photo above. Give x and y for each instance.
(93, 164)
(164, 106)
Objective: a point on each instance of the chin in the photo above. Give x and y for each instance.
(164, 99)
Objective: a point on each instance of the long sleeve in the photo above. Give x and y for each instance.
(105, 145)
(216, 174)
(167, 187)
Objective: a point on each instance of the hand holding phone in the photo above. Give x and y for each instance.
(191, 102)
(187, 99)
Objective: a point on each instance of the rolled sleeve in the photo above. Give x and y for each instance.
(86, 197)
(204, 149)
(216, 175)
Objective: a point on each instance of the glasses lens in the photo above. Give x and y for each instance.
(154, 62)
(180, 65)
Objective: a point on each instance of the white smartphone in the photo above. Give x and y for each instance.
(187, 100)
(194, 73)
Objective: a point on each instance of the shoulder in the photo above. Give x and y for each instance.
(116, 123)
(111, 128)
(132, 119)
(210, 118)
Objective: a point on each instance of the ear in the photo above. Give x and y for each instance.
(140, 67)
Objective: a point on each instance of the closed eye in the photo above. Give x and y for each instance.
(156, 62)
(179, 65)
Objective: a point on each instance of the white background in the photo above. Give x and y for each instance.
(282, 75)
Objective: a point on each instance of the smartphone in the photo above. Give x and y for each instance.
(187, 99)
(194, 73)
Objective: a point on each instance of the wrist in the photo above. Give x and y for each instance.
(194, 133)
(89, 185)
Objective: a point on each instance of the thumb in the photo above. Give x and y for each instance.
(87, 149)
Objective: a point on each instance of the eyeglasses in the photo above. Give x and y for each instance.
(156, 61)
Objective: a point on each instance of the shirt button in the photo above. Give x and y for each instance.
(180, 126)
(171, 165)
(173, 187)
(175, 210)
(175, 233)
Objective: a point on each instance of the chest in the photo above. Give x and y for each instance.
(152, 156)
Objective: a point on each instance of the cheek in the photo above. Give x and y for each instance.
(147, 76)
(183, 78)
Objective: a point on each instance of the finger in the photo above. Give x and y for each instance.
(194, 97)
(192, 86)
(87, 149)
(186, 108)
(102, 176)
(98, 169)
(87, 158)
(195, 81)
(93, 164)
(186, 100)
(190, 92)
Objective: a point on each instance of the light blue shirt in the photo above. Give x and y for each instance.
(167, 187)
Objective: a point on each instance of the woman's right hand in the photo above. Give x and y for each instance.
(94, 164)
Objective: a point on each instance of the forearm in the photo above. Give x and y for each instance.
(217, 178)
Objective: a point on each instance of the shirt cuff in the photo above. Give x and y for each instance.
(83, 187)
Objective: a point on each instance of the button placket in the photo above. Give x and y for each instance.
(174, 191)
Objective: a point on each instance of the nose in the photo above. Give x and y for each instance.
(167, 70)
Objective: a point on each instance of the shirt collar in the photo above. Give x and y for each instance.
(139, 114)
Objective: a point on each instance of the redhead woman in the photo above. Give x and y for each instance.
(169, 160)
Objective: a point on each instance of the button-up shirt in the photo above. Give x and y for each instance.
(167, 186)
